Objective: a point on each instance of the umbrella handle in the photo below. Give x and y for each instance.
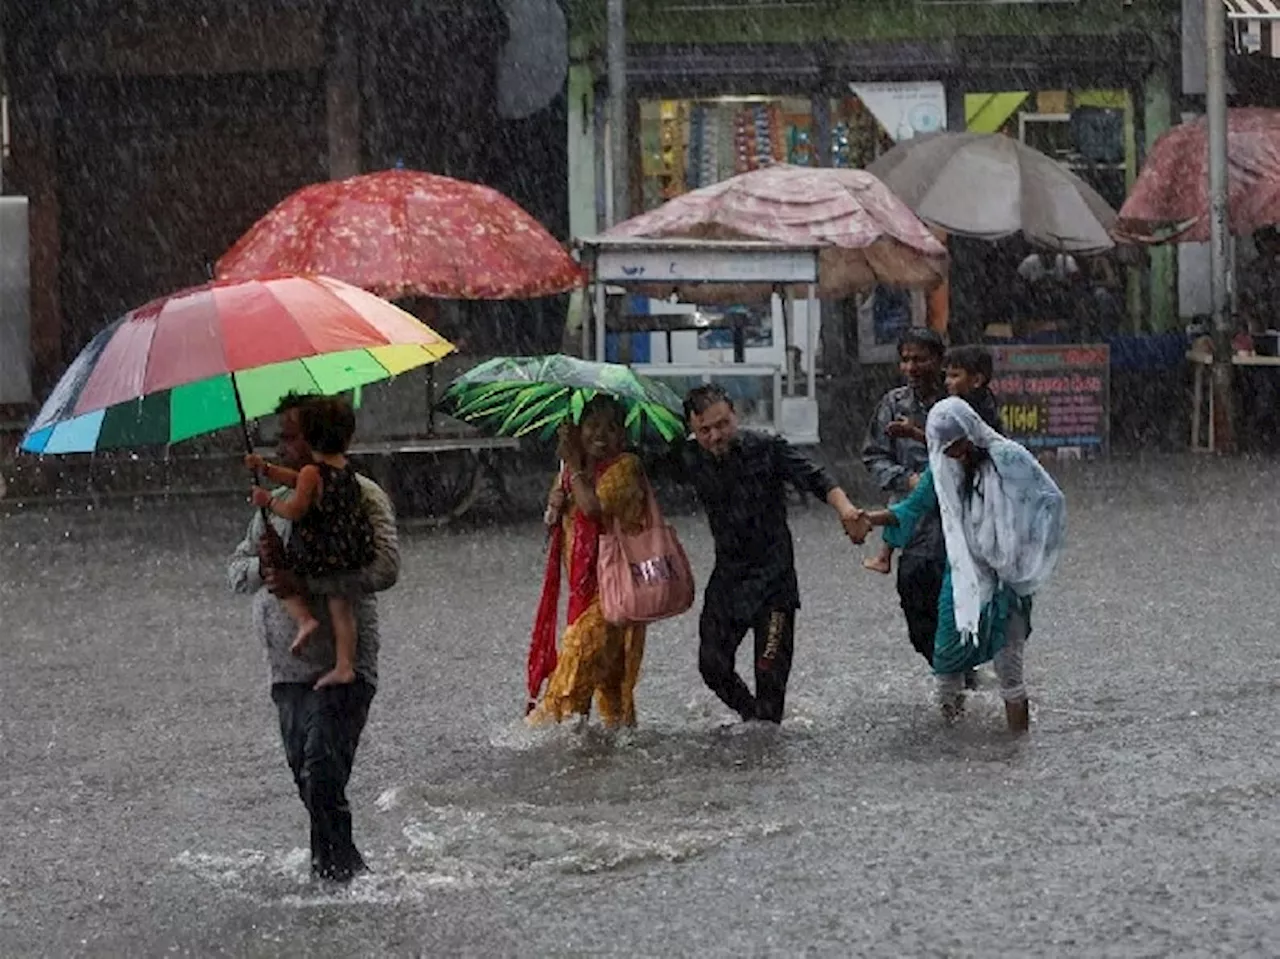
(248, 443)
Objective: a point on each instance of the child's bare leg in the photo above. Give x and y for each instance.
(343, 616)
(306, 620)
(882, 562)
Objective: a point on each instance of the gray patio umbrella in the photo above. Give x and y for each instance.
(988, 185)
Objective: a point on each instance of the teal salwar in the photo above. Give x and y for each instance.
(950, 654)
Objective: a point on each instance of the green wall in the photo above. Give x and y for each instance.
(658, 21)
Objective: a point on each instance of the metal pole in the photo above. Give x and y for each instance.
(616, 51)
(1215, 38)
(602, 304)
(812, 318)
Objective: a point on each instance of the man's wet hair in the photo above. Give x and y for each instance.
(922, 336)
(702, 398)
(973, 359)
(327, 424)
(294, 400)
(604, 403)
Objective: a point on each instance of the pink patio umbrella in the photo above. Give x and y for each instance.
(869, 236)
(1169, 200)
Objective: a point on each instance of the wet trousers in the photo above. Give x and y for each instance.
(1007, 663)
(321, 729)
(719, 639)
(919, 586)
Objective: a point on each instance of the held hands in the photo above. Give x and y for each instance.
(255, 462)
(856, 524)
(260, 497)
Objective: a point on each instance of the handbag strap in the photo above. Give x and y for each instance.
(654, 513)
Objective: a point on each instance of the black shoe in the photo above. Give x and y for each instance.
(971, 679)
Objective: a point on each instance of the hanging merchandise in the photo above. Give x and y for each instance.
(801, 152)
(673, 149)
(841, 155)
(743, 142)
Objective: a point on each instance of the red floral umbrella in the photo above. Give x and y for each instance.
(871, 237)
(1170, 199)
(404, 233)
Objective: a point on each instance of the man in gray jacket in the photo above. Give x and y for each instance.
(320, 727)
(896, 460)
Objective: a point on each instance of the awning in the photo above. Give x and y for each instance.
(1253, 9)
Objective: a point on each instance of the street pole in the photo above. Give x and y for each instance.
(1215, 38)
(616, 51)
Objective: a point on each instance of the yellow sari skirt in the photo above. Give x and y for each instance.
(596, 660)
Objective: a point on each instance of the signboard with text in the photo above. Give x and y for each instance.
(1055, 398)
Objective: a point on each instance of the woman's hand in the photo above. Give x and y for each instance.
(260, 497)
(255, 462)
(555, 507)
(570, 447)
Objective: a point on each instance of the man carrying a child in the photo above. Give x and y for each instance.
(320, 727)
(895, 454)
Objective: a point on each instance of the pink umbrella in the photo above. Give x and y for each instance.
(1170, 199)
(873, 237)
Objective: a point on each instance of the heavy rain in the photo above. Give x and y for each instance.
(639, 478)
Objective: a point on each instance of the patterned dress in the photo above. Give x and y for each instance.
(596, 658)
(335, 535)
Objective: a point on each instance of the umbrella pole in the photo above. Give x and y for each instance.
(248, 445)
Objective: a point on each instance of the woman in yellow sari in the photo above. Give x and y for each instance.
(598, 485)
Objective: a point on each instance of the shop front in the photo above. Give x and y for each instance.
(1087, 82)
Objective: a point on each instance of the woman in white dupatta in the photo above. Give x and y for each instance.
(1004, 521)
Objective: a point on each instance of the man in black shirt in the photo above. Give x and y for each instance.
(739, 478)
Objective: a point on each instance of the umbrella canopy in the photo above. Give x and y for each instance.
(988, 186)
(524, 395)
(205, 358)
(1170, 199)
(870, 237)
(404, 233)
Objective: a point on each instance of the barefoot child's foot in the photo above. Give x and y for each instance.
(305, 631)
(878, 564)
(338, 676)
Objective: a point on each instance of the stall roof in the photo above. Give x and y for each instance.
(1252, 9)
(633, 243)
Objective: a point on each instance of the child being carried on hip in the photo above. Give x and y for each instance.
(331, 531)
(969, 370)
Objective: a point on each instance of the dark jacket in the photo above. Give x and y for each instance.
(744, 495)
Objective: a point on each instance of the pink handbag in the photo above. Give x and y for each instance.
(646, 576)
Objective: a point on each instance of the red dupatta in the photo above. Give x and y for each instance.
(582, 587)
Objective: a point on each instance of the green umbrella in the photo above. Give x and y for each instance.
(533, 395)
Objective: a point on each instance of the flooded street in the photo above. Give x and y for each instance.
(146, 809)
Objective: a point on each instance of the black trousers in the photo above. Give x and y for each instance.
(919, 586)
(321, 730)
(720, 636)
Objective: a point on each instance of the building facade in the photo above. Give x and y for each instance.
(148, 136)
(717, 86)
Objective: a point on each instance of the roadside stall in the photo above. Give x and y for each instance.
(780, 397)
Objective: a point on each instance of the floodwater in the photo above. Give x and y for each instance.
(146, 810)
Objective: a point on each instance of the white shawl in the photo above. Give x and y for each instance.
(1004, 526)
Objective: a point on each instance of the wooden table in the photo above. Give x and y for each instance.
(1202, 362)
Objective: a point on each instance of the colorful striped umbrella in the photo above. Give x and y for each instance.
(208, 357)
